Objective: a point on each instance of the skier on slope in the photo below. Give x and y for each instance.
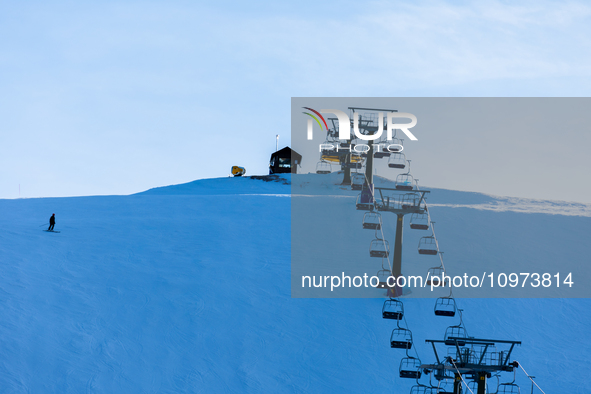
(51, 222)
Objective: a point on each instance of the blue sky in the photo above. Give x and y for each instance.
(118, 97)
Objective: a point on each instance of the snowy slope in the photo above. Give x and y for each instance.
(187, 289)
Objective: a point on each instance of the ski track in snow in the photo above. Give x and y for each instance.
(187, 289)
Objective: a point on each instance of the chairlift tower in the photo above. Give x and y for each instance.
(406, 200)
(401, 203)
(475, 365)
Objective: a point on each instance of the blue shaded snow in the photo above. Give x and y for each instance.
(187, 289)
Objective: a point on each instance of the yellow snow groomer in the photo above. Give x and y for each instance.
(238, 171)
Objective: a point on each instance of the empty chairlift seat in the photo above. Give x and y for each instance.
(357, 180)
(445, 306)
(404, 182)
(352, 165)
(401, 338)
(379, 155)
(409, 368)
(383, 276)
(409, 200)
(393, 309)
(372, 221)
(397, 160)
(419, 221)
(365, 202)
(323, 168)
(394, 145)
(436, 272)
(455, 334)
(379, 248)
(427, 245)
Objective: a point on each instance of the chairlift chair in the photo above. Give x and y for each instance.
(393, 309)
(445, 306)
(483, 351)
(364, 206)
(419, 221)
(372, 221)
(323, 168)
(453, 353)
(409, 368)
(393, 142)
(492, 357)
(404, 182)
(401, 338)
(390, 201)
(383, 276)
(376, 155)
(379, 248)
(409, 200)
(397, 160)
(331, 156)
(436, 272)
(379, 155)
(357, 180)
(352, 165)
(427, 245)
(455, 334)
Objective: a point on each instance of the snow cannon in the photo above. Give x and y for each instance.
(238, 171)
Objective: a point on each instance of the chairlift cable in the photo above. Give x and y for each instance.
(441, 261)
(528, 375)
(415, 348)
(436, 242)
(459, 373)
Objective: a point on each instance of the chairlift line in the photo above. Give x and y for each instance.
(413, 204)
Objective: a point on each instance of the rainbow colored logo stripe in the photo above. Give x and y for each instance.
(315, 118)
